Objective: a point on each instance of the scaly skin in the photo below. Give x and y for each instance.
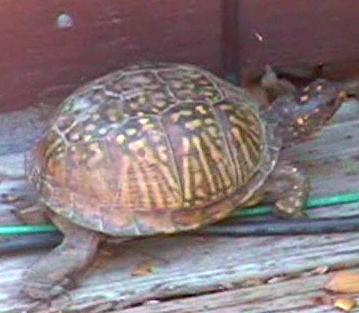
(298, 115)
(56, 272)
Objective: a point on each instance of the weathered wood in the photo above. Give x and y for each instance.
(186, 265)
(230, 38)
(56, 45)
(301, 294)
(284, 33)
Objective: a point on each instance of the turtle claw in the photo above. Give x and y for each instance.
(30, 215)
(46, 290)
(295, 214)
(54, 274)
(291, 207)
(300, 215)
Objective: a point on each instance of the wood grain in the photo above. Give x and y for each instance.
(55, 46)
(42, 61)
(296, 294)
(184, 265)
(297, 34)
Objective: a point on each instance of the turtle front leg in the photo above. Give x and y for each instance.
(56, 272)
(32, 215)
(274, 86)
(289, 188)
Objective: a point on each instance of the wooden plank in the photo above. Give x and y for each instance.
(230, 39)
(43, 61)
(301, 294)
(185, 265)
(300, 33)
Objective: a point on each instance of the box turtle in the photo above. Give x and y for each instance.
(163, 148)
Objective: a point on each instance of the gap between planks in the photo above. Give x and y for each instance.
(187, 265)
(299, 294)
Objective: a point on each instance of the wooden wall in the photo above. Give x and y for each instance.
(297, 33)
(39, 59)
(50, 47)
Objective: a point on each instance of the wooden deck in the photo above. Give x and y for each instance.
(197, 274)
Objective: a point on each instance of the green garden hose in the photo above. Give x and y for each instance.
(312, 203)
(346, 198)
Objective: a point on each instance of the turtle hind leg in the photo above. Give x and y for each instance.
(289, 188)
(55, 273)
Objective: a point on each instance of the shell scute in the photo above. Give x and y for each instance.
(204, 166)
(188, 83)
(154, 148)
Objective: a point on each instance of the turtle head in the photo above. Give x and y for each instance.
(299, 116)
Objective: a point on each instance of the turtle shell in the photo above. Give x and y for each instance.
(154, 148)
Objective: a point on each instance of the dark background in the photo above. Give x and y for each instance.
(43, 62)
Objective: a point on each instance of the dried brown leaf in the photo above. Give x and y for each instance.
(345, 304)
(143, 269)
(344, 282)
(277, 279)
(252, 282)
(259, 36)
(152, 302)
(227, 285)
(323, 300)
(321, 270)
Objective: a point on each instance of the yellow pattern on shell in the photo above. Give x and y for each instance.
(158, 139)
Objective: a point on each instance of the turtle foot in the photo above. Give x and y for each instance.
(41, 290)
